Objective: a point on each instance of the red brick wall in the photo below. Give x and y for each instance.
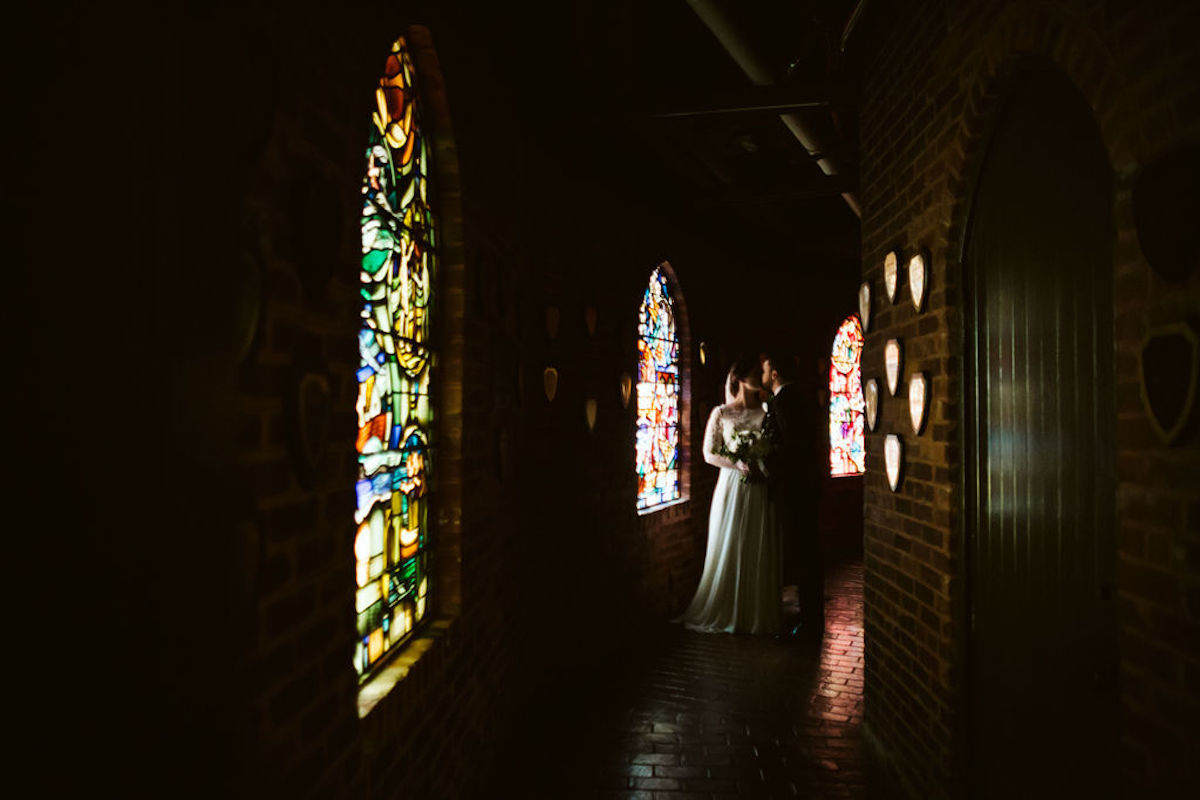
(555, 562)
(208, 581)
(547, 557)
(929, 89)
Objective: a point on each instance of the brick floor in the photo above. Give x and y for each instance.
(716, 716)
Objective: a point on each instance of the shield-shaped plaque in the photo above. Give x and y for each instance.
(891, 265)
(864, 305)
(871, 397)
(1169, 362)
(893, 357)
(918, 279)
(918, 399)
(589, 413)
(893, 460)
(307, 411)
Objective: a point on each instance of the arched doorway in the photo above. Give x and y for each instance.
(1039, 445)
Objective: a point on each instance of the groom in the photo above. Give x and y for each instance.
(793, 482)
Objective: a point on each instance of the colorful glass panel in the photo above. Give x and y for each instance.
(395, 412)
(657, 396)
(846, 406)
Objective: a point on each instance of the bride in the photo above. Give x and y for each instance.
(740, 587)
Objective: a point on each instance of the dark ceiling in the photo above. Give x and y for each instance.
(646, 89)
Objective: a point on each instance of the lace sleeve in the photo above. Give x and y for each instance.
(713, 434)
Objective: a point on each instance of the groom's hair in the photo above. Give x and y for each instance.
(786, 364)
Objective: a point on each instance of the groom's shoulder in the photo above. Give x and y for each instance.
(787, 395)
(790, 402)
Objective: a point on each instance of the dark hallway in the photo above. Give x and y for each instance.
(689, 715)
(696, 715)
(365, 356)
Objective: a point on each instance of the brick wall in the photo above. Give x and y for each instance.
(547, 557)
(556, 564)
(929, 90)
(212, 565)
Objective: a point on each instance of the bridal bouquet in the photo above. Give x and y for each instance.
(747, 446)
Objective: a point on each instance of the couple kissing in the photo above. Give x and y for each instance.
(762, 522)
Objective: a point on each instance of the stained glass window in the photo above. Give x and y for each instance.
(657, 396)
(395, 413)
(846, 406)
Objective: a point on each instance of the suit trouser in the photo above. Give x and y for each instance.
(802, 555)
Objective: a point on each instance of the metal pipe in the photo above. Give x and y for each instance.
(742, 109)
(760, 74)
(855, 15)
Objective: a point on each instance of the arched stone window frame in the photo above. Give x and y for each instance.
(684, 429)
(859, 408)
(445, 518)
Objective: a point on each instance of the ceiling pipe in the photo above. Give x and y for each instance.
(760, 74)
(855, 16)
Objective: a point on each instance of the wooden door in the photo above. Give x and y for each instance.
(1039, 447)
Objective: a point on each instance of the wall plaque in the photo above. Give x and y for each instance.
(893, 356)
(918, 396)
(589, 413)
(891, 263)
(893, 459)
(1168, 365)
(918, 279)
(871, 398)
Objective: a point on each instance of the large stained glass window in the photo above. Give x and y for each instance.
(846, 406)
(657, 396)
(395, 413)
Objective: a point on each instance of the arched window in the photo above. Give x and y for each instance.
(395, 412)
(846, 406)
(658, 396)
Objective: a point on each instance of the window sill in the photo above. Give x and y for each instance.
(645, 512)
(398, 667)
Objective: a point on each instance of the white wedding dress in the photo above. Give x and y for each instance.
(740, 588)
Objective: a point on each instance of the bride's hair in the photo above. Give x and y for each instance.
(741, 369)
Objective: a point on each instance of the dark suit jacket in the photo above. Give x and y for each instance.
(793, 469)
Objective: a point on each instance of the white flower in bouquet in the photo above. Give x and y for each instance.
(747, 446)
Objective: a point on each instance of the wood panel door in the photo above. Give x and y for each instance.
(1039, 445)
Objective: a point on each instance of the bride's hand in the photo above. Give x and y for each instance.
(744, 468)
